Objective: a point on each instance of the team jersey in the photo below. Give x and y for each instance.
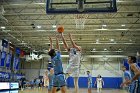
(57, 63)
(90, 79)
(74, 57)
(132, 72)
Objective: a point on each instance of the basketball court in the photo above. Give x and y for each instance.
(108, 31)
(69, 91)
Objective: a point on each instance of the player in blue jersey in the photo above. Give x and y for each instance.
(127, 76)
(135, 73)
(89, 81)
(59, 80)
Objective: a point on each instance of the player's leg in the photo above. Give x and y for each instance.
(62, 83)
(98, 89)
(76, 78)
(138, 87)
(50, 88)
(76, 84)
(54, 89)
(69, 70)
(89, 88)
(55, 83)
(130, 89)
(133, 87)
(63, 89)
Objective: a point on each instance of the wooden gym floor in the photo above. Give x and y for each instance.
(44, 90)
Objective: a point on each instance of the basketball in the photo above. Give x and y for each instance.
(60, 29)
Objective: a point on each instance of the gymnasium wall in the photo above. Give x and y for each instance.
(109, 69)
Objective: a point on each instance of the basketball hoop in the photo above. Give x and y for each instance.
(80, 20)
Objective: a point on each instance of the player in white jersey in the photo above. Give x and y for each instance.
(46, 79)
(99, 81)
(74, 60)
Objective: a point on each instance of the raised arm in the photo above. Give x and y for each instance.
(64, 41)
(57, 44)
(51, 45)
(73, 43)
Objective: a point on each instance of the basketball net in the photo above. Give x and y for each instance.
(80, 20)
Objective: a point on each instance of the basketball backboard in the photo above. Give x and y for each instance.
(80, 6)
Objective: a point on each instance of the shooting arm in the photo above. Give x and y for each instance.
(64, 41)
(73, 43)
(57, 44)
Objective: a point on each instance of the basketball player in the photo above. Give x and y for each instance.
(89, 82)
(50, 66)
(135, 73)
(55, 55)
(127, 76)
(50, 77)
(99, 82)
(46, 79)
(74, 60)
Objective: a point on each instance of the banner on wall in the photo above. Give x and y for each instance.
(3, 57)
(8, 60)
(19, 76)
(4, 75)
(17, 50)
(16, 63)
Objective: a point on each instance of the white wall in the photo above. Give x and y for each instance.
(107, 68)
(31, 74)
